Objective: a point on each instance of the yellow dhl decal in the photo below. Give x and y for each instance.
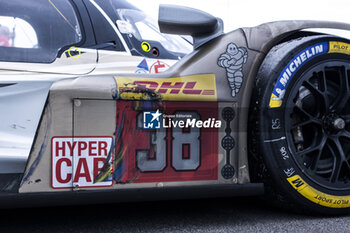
(316, 196)
(187, 88)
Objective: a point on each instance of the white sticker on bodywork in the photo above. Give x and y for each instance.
(81, 162)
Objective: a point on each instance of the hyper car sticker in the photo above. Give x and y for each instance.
(339, 47)
(81, 161)
(316, 196)
(290, 70)
(233, 60)
(195, 87)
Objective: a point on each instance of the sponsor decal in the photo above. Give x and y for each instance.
(339, 47)
(233, 60)
(143, 65)
(290, 70)
(158, 67)
(316, 196)
(195, 87)
(81, 161)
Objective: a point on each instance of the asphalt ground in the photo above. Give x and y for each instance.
(240, 214)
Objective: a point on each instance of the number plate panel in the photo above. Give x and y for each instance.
(166, 154)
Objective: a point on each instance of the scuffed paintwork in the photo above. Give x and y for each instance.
(132, 91)
(119, 162)
(59, 116)
(107, 168)
(258, 42)
(46, 122)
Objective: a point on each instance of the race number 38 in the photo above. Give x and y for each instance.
(185, 149)
(76, 161)
(172, 153)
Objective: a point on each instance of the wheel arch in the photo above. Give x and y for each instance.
(261, 39)
(265, 36)
(269, 69)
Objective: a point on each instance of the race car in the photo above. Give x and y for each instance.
(261, 110)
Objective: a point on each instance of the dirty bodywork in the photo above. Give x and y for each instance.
(89, 137)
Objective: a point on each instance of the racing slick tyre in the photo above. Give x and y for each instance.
(300, 125)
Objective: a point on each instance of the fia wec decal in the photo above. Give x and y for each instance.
(80, 161)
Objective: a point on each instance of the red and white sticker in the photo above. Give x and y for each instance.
(158, 67)
(77, 161)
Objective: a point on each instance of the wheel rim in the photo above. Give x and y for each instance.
(317, 124)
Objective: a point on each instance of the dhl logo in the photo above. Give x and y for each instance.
(188, 88)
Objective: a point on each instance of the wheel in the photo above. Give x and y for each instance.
(300, 131)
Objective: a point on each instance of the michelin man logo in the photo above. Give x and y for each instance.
(232, 60)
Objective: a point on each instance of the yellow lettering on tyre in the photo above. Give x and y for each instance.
(316, 196)
(339, 47)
